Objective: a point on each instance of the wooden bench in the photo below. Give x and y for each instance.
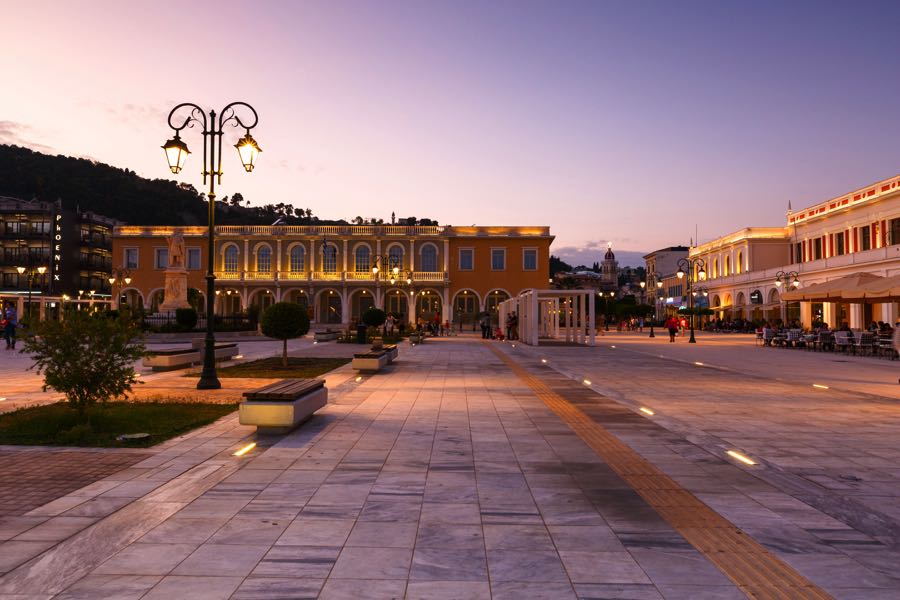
(280, 407)
(168, 360)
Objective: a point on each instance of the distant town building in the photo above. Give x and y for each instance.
(610, 269)
(854, 232)
(662, 267)
(454, 273)
(73, 247)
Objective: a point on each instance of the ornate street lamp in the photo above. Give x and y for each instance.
(33, 273)
(119, 279)
(176, 154)
(687, 267)
(791, 278)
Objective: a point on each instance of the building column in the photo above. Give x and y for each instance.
(278, 260)
(856, 316)
(345, 257)
(312, 256)
(806, 314)
(345, 303)
(829, 314)
(246, 255)
(889, 313)
(446, 256)
(412, 255)
(445, 304)
(411, 307)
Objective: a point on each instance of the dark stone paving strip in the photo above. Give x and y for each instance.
(831, 502)
(756, 571)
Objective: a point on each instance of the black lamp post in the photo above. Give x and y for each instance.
(32, 275)
(119, 279)
(176, 153)
(686, 268)
(655, 307)
(791, 280)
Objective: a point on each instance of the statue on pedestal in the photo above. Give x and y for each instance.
(175, 295)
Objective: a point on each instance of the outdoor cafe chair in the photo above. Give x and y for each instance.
(843, 341)
(865, 343)
(794, 338)
(768, 336)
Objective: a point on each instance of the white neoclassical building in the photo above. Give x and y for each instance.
(857, 232)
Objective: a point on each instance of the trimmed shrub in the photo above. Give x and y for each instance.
(285, 321)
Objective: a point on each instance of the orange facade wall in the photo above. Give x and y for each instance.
(514, 279)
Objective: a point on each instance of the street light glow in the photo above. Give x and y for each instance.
(646, 410)
(245, 449)
(740, 457)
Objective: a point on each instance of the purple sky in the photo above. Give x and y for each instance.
(623, 121)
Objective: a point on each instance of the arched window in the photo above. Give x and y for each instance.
(715, 272)
(264, 260)
(298, 259)
(362, 259)
(329, 259)
(429, 259)
(739, 267)
(395, 256)
(231, 259)
(727, 266)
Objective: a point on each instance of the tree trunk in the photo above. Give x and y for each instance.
(284, 355)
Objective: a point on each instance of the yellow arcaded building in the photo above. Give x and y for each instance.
(454, 272)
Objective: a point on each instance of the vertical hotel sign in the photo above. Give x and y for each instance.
(57, 252)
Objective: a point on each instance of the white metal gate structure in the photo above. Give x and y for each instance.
(559, 315)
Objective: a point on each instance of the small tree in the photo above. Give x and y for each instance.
(285, 321)
(89, 357)
(374, 317)
(186, 318)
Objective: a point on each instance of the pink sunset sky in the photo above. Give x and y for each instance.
(629, 122)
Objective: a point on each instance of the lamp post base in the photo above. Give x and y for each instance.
(653, 335)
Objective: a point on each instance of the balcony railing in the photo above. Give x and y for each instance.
(329, 230)
(316, 276)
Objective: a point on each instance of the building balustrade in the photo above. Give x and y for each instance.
(328, 276)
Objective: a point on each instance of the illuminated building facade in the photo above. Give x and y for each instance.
(455, 273)
(73, 247)
(852, 233)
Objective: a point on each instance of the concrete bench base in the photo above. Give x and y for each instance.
(325, 336)
(169, 360)
(272, 416)
(371, 364)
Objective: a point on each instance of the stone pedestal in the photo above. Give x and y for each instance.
(175, 295)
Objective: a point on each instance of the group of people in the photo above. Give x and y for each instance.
(675, 324)
(434, 326)
(9, 322)
(510, 330)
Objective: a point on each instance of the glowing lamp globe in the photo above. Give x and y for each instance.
(176, 153)
(249, 150)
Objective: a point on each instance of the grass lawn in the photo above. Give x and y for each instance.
(59, 425)
(298, 366)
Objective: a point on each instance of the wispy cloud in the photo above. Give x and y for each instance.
(593, 251)
(19, 134)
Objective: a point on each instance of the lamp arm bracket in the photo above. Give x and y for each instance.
(229, 115)
(196, 115)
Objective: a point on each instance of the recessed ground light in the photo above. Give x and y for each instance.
(2, 399)
(699, 364)
(513, 345)
(315, 341)
(245, 449)
(612, 346)
(237, 356)
(647, 411)
(740, 457)
(587, 382)
(544, 360)
(820, 386)
(359, 378)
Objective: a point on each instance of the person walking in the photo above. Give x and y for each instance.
(11, 321)
(672, 326)
(897, 339)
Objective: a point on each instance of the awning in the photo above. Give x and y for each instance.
(886, 289)
(831, 291)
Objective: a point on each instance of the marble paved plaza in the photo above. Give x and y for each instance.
(476, 470)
